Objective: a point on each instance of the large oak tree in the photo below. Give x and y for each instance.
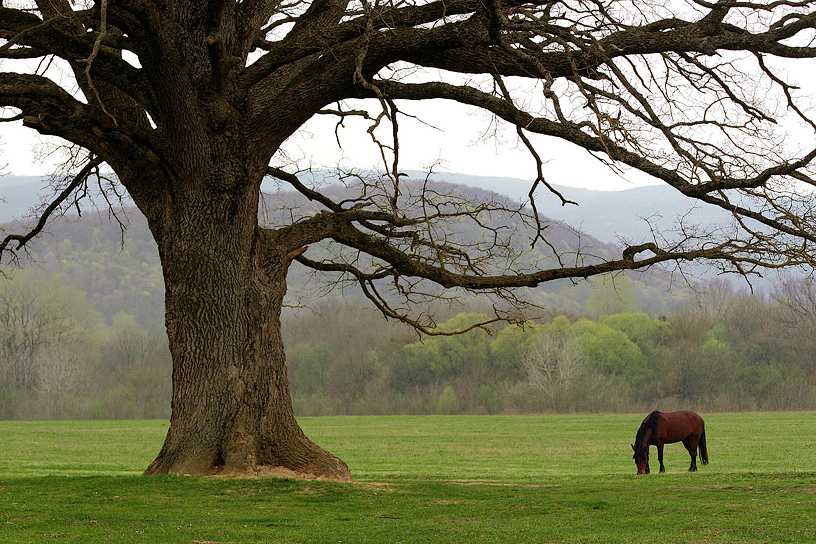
(189, 102)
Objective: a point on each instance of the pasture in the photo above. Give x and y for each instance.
(473, 479)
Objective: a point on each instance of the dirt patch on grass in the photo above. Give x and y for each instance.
(500, 484)
(278, 472)
(288, 474)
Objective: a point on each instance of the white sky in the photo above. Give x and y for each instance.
(458, 142)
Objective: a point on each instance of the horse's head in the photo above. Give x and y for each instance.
(641, 458)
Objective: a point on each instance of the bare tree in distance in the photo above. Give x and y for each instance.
(39, 318)
(798, 297)
(554, 362)
(190, 101)
(60, 373)
(713, 297)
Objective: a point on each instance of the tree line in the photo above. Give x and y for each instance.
(721, 350)
(61, 359)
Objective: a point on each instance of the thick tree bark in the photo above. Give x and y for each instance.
(225, 282)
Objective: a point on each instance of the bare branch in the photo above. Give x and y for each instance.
(22, 239)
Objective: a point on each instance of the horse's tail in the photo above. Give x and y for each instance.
(703, 448)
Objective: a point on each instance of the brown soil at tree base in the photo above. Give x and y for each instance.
(282, 472)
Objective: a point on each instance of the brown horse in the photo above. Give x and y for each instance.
(659, 429)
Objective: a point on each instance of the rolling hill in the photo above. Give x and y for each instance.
(608, 216)
(121, 270)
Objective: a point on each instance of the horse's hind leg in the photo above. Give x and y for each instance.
(691, 445)
(660, 457)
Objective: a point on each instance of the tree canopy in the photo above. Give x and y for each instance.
(689, 92)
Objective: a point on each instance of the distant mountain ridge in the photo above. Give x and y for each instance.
(121, 270)
(18, 194)
(608, 216)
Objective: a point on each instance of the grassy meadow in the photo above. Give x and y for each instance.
(473, 479)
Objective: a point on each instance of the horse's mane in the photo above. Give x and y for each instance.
(650, 423)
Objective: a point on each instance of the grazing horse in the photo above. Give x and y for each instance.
(659, 429)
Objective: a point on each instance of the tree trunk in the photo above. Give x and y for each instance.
(225, 281)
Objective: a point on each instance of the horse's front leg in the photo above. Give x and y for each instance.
(660, 456)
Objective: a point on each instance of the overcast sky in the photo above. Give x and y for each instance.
(449, 137)
(456, 143)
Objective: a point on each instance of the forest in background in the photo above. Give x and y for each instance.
(723, 351)
(81, 336)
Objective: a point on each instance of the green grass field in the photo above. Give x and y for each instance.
(421, 479)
